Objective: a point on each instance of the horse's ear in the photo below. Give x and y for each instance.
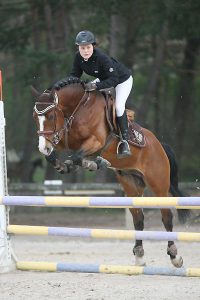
(34, 92)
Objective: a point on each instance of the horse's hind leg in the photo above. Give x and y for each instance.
(134, 186)
(159, 184)
(167, 217)
(138, 250)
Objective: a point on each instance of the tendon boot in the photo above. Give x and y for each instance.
(123, 149)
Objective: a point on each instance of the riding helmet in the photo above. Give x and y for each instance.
(85, 37)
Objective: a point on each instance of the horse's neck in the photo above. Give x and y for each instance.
(69, 98)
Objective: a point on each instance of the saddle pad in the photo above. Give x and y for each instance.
(136, 136)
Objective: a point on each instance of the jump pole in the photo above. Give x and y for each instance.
(104, 233)
(108, 269)
(102, 202)
(6, 264)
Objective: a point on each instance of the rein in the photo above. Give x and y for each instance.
(71, 118)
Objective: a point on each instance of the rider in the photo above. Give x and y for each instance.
(109, 73)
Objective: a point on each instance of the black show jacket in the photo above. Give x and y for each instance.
(109, 71)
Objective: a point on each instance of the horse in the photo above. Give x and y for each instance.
(75, 119)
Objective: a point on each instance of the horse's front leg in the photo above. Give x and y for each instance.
(58, 165)
(167, 218)
(78, 159)
(81, 157)
(138, 220)
(87, 163)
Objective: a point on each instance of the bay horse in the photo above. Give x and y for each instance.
(75, 119)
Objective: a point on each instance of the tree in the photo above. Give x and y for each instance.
(158, 40)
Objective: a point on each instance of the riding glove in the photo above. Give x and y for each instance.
(90, 86)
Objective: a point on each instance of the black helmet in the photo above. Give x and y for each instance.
(85, 37)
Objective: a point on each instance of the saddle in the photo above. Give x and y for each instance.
(136, 135)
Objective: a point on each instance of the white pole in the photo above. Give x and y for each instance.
(6, 263)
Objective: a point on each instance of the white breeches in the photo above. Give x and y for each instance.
(122, 92)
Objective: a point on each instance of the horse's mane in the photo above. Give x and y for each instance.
(47, 96)
(66, 81)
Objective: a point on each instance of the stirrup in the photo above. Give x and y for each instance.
(125, 149)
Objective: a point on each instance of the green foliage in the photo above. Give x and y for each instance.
(184, 18)
(190, 168)
(26, 56)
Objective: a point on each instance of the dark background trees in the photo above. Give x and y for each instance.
(158, 40)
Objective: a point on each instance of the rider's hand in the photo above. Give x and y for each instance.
(90, 86)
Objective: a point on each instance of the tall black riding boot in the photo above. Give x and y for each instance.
(123, 149)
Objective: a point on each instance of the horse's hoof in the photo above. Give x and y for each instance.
(138, 251)
(68, 162)
(102, 163)
(89, 164)
(61, 167)
(139, 261)
(177, 262)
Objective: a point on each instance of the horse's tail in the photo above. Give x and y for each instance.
(183, 214)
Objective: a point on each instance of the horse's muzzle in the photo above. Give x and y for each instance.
(45, 146)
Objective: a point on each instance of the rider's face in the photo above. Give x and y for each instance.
(86, 51)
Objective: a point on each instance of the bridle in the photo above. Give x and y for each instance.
(58, 134)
